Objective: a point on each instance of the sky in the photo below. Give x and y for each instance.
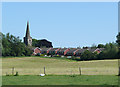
(65, 24)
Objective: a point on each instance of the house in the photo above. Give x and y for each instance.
(52, 51)
(71, 52)
(62, 51)
(56, 51)
(49, 50)
(65, 51)
(44, 50)
(78, 52)
(92, 50)
(98, 50)
(36, 51)
(41, 50)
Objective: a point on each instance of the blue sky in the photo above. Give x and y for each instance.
(65, 24)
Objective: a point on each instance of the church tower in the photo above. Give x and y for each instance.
(27, 38)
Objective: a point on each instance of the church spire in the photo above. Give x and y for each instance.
(27, 38)
(27, 30)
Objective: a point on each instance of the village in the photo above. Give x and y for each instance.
(49, 51)
(68, 52)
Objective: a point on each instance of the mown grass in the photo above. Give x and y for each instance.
(35, 65)
(61, 80)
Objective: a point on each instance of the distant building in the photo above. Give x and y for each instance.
(41, 43)
(27, 38)
(71, 52)
(36, 51)
(65, 51)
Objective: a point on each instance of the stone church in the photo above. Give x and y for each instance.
(28, 38)
(41, 43)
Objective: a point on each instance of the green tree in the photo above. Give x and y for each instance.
(110, 51)
(6, 48)
(34, 42)
(118, 42)
(12, 46)
(118, 39)
(100, 46)
(27, 51)
(87, 55)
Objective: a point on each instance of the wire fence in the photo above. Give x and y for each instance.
(61, 71)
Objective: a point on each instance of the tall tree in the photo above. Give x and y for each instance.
(118, 42)
(118, 39)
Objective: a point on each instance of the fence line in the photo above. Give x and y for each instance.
(63, 71)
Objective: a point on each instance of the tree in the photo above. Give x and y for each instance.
(41, 43)
(87, 55)
(118, 42)
(12, 46)
(110, 51)
(27, 51)
(6, 48)
(100, 46)
(34, 42)
(118, 39)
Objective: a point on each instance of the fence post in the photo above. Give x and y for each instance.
(40, 71)
(119, 72)
(6, 74)
(12, 70)
(71, 72)
(44, 71)
(80, 70)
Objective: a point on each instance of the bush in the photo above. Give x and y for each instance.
(56, 55)
(42, 55)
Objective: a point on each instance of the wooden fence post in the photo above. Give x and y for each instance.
(40, 71)
(71, 72)
(80, 70)
(6, 74)
(44, 70)
(12, 70)
(119, 72)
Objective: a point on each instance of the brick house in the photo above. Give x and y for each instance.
(70, 52)
(62, 51)
(52, 51)
(36, 51)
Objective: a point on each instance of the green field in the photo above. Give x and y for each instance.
(59, 71)
(61, 80)
(35, 65)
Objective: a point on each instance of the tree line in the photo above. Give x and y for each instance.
(13, 46)
(111, 51)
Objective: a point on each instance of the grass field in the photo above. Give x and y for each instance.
(61, 80)
(59, 71)
(35, 65)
